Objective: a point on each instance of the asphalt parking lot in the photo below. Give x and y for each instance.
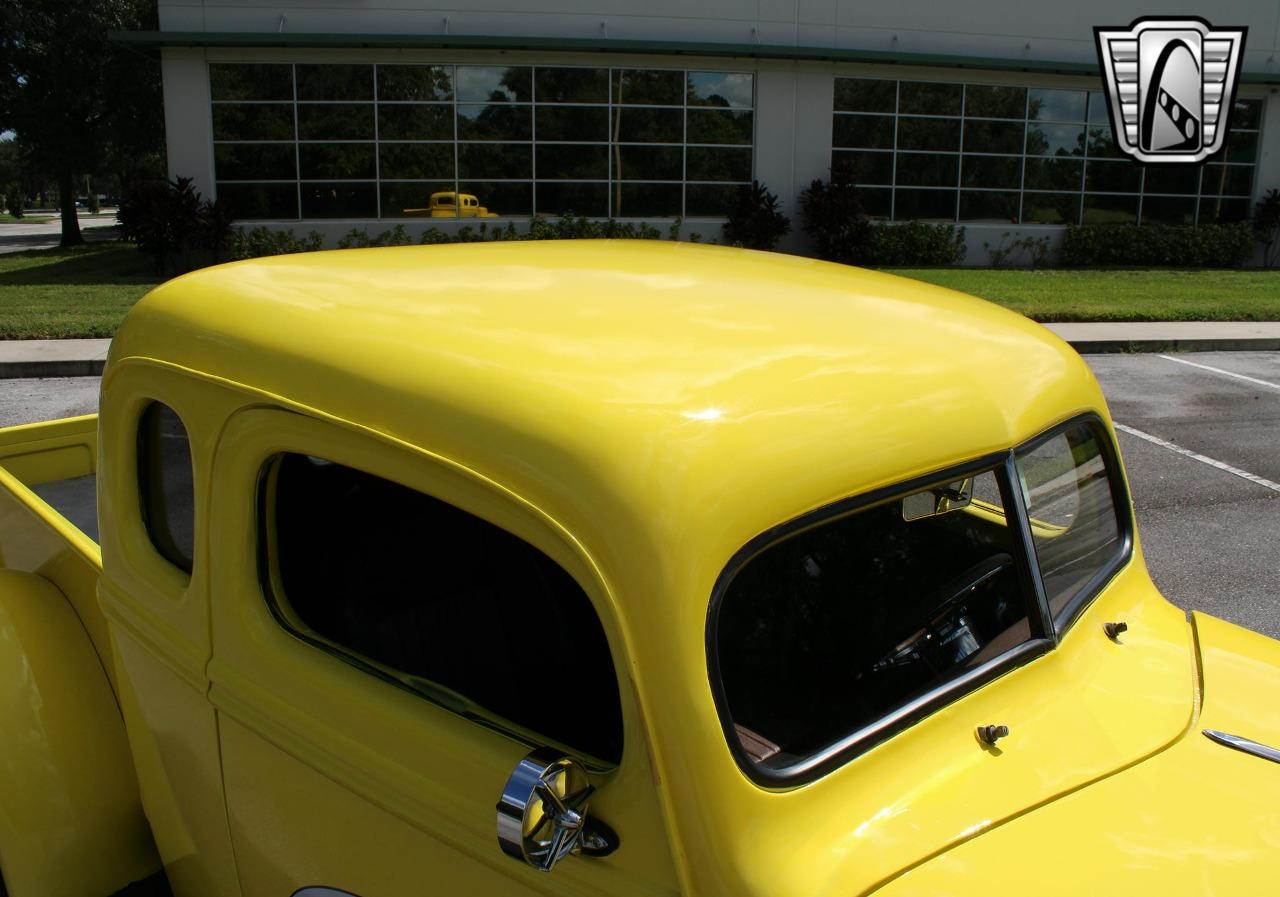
(1200, 436)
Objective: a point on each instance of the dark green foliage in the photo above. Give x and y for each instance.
(1198, 246)
(755, 221)
(913, 243)
(358, 238)
(834, 219)
(174, 225)
(566, 227)
(262, 241)
(75, 101)
(1266, 225)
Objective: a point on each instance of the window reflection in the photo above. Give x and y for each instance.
(362, 140)
(1051, 148)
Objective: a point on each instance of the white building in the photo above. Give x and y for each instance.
(336, 115)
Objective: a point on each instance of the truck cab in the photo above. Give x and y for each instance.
(712, 594)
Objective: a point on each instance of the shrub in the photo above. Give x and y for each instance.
(262, 241)
(833, 217)
(164, 219)
(358, 238)
(913, 243)
(1198, 246)
(754, 219)
(1266, 226)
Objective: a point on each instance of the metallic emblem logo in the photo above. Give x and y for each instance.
(1170, 84)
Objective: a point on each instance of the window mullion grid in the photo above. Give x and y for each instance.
(377, 150)
(893, 180)
(1040, 617)
(1022, 181)
(960, 151)
(457, 181)
(684, 144)
(1084, 166)
(297, 139)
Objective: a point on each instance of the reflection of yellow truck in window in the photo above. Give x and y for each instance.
(448, 204)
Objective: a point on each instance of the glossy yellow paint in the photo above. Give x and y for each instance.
(70, 820)
(1197, 819)
(638, 411)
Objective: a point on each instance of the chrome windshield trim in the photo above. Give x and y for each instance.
(1244, 744)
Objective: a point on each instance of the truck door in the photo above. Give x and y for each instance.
(392, 634)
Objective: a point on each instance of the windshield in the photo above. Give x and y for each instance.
(846, 630)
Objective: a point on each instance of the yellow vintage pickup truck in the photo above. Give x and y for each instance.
(448, 204)
(719, 573)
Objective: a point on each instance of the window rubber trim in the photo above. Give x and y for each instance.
(1050, 631)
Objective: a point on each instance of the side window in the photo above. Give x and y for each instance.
(434, 599)
(165, 485)
(1074, 522)
(828, 634)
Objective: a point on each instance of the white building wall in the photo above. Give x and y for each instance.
(794, 98)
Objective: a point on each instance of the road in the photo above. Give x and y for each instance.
(1200, 436)
(18, 236)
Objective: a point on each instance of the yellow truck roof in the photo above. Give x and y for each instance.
(661, 380)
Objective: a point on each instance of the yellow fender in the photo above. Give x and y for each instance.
(71, 821)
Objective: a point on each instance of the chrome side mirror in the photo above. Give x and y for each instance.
(542, 813)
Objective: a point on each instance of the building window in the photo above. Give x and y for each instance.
(423, 595)
(378, 141)
(990, 153)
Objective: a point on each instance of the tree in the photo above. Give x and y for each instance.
(73, 99)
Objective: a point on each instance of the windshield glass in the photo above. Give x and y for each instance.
(854, 625)
(831, 630)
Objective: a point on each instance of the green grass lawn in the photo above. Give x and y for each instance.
(80, 292)
(85, 292)
(1118, 295)
(25, 219)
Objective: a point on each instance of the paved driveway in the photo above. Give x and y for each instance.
(1200, 438)
(16, 236)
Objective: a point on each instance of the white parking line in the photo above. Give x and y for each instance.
(1204, 459)
(1205, 367)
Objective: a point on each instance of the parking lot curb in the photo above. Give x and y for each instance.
(1105, 346)
(22, 370)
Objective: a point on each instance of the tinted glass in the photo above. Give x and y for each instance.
(436, 600)
(863, 131)
(333, 200)
(731, 89)
(1056, 105)
(257, 121)
(335, 82)
(1074, 524)
(251, 81)
(651, 87)
(255, 161)
(260, 201)
(165, 485)
(988, 206)
(929, 134)
(866, 95)
(415, 82)
(571, 85)
(414, 122)
(827, 631)
(494, 84)
(982, 101)
(925, 98)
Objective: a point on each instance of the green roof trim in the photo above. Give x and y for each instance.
(327, 40)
